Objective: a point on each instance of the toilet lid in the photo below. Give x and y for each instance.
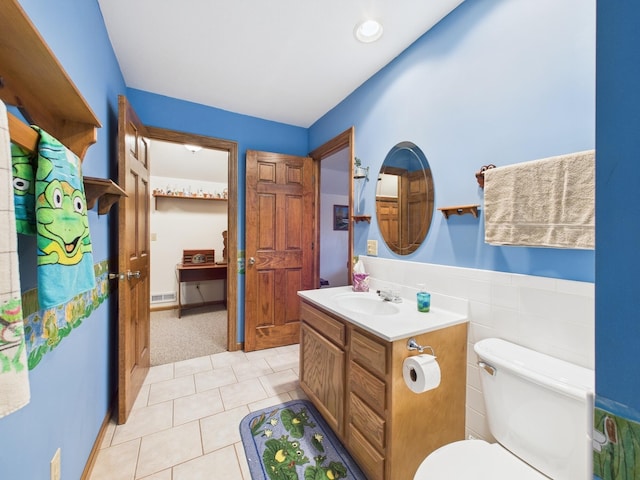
(475, 460)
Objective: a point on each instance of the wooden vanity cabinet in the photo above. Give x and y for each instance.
(355, 380)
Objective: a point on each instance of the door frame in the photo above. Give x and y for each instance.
(231, 147)
(345, 139)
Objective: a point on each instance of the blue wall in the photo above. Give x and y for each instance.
(495, 82)
(498, 81)
(618, 231)
(73, 385)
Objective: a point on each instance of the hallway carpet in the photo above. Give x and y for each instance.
(201, 331)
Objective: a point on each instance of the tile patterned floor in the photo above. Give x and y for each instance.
(184, 424)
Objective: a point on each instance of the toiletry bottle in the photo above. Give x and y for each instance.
(424, 299)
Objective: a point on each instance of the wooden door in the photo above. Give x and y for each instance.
(133, 258)
(279, 246)
(387, 212)
(415, 214)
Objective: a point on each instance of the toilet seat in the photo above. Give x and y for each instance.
(475, 460)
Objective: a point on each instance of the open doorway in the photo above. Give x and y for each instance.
(188, 214)
(334, 162)
(193, 209)
(334, 218)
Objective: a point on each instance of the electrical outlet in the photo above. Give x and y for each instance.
(55, 466)
(372, 247)
(154, 237)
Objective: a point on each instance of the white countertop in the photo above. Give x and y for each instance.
(404, 323)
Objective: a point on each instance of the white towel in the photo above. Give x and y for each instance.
(14, 373)
(542, 203)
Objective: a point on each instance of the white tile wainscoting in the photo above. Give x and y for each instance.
(552, 316)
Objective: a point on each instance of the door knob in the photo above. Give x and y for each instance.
(131, 274)
(116, 276)
(252, 260)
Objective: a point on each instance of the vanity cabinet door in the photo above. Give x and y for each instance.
(322, 377)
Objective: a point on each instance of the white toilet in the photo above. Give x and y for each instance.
(539, 409)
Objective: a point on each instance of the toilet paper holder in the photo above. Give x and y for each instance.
(413, 345)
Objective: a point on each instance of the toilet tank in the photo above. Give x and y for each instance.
(538, 407)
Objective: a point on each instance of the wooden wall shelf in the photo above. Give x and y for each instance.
(102, 190)
(362, 218)
(459, 210)
(32, 79)
(186, 197)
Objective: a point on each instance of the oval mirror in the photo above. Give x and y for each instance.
(404, 198)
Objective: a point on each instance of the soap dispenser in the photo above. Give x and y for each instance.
(424, 299)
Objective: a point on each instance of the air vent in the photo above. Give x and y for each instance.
(163, 297)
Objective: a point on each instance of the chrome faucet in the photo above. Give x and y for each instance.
(389, 296)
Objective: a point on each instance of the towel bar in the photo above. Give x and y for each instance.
(480, 174)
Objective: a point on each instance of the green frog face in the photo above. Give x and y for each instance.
(295, 422)
(280, 458)
(23, 190)
(63, 225)
(22, 170)
(335, 470)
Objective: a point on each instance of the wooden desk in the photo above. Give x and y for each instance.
(200, 273)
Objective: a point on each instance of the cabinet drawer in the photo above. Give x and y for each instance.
(369, 353)
(368, 458)
(331, 328)
(371, 389)
(367, 422)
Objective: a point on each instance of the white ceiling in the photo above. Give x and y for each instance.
(173, 160)
(289, 61)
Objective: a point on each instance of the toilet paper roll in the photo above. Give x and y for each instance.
(421, 373)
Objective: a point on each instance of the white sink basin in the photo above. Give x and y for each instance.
(366, 304)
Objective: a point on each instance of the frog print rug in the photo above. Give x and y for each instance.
(291, 441)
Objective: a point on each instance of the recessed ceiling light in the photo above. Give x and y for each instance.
(368, 31)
